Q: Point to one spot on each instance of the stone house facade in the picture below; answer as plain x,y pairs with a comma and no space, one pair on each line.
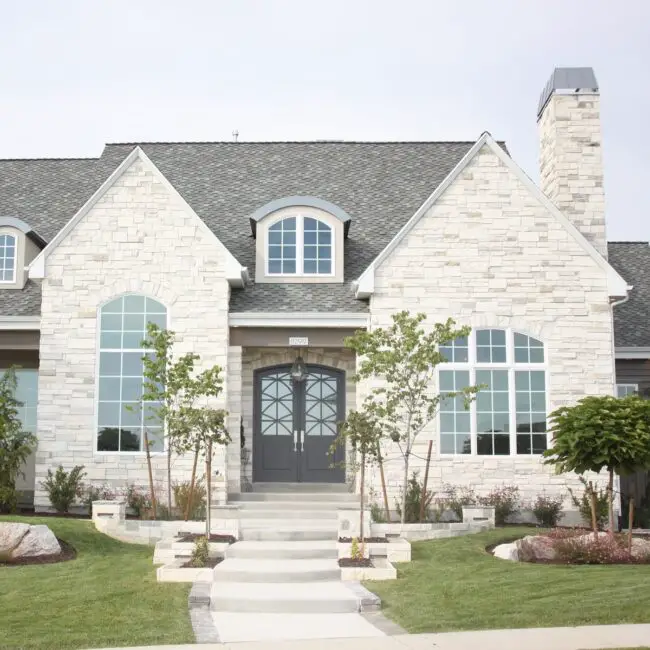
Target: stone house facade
256,254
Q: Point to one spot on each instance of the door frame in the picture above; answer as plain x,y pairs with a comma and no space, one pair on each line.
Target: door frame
341,379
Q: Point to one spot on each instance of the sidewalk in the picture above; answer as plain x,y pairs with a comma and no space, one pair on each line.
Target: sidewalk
593,637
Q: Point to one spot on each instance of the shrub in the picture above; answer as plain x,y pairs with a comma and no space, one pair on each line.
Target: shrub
182,495
583,504
548,510
455,497
91,493
200,553
505,500
64,487
355,550
377,513
414,494
137,499
584,549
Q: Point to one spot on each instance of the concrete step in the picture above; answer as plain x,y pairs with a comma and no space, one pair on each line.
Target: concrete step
286,533
277,571
286,513
284,550
304,497
302,597
325,488
260,520
290,506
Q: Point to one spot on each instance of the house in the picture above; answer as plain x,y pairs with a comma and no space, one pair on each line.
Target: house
256,254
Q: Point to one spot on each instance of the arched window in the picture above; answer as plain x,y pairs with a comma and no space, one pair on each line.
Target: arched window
7,258
300,245
122,417
508,416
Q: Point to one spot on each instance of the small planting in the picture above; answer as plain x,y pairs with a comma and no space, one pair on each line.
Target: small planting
592,504
378,515
547,510
191,501
455,497
63,488
414,505
137,499
90,493
505,501
357,558
200,553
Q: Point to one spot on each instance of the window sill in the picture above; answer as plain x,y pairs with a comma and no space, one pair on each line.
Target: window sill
130,454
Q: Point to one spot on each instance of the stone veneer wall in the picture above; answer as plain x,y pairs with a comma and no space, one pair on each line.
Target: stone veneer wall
571,162
255,358
136,239
488,254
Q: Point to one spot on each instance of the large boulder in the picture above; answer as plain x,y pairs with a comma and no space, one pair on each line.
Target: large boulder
506,552
640,548
38,541
11,534
535,548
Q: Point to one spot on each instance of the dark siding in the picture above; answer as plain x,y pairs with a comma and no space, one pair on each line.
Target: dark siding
634,371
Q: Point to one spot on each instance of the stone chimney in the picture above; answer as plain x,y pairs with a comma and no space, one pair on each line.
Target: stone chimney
571,161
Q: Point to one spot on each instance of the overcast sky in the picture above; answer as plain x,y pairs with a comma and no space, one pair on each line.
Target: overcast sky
78,73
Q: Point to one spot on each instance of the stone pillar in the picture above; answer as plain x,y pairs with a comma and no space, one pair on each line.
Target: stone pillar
234,406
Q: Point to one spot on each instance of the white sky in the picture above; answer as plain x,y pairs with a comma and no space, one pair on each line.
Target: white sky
78,73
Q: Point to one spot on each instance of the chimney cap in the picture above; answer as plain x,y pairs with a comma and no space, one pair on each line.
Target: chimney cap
572,79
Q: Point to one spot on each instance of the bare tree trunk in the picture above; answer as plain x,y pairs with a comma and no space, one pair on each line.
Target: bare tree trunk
361,495
630,524
405,485
154,510
208,480
610,501
190,496
423,496
169,478
380,460
592,501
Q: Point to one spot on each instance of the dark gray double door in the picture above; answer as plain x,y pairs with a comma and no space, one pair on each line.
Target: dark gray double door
295,424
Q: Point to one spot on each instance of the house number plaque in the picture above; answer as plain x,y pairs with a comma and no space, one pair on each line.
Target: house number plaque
298,341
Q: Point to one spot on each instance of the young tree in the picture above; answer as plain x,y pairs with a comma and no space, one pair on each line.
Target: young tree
404,358
364,433
15,443
601,433
174,395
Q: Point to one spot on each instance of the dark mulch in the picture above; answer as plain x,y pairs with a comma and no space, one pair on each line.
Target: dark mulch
367,540
210,564
29,512
192,537
361,562
67,553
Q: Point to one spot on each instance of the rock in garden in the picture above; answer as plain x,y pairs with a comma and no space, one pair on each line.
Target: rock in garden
506,552
39,540
11,534
535,548
640,548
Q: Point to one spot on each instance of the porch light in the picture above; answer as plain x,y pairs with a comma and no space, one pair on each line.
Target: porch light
298,370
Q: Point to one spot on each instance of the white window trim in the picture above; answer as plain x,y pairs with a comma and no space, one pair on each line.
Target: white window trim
13,270
472,366
634,387
300,245
98,350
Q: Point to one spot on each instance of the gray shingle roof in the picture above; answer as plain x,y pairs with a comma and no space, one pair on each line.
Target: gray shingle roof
379,184
632,318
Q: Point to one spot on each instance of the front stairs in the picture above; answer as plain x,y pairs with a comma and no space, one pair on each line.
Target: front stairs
281,580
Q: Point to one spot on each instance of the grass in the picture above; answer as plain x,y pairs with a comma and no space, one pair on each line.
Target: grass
453,584
107,596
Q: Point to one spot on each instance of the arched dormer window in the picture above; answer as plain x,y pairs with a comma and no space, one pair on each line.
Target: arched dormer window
299,245
122,416
299,239
509,414
7,258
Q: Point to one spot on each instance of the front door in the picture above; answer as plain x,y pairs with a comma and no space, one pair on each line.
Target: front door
295,425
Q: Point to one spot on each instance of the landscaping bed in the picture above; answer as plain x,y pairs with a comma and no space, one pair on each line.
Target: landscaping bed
214,537
68,552
366,540
210,563
448,578
107,597
355,562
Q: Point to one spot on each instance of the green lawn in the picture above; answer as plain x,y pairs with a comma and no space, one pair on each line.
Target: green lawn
108,596
453,584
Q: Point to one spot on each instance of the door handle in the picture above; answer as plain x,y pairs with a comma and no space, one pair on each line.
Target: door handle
295,440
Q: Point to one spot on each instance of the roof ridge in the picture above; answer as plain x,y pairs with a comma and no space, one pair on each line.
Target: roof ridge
46,158
625,241
333,141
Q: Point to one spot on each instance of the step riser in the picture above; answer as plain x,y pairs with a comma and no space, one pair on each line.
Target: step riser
292,496
336,488
271,535
282,554
280,577
326,515
257,523
225,604
293,506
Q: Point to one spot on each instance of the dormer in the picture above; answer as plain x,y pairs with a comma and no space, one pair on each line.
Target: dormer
19,245
299,239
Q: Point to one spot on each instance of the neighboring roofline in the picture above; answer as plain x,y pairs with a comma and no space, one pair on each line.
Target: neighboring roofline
309,201
236,274
298,319
19,224
641,352
365,285
20,322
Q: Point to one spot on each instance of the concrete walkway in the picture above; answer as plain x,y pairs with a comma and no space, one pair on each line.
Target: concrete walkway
593,637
